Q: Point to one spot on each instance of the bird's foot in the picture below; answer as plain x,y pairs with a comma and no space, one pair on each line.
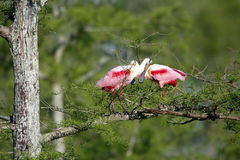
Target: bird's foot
115,112
133,110
159,106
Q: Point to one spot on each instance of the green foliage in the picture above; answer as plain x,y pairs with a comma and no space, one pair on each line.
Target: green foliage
5,135
108,133
186,35
5,156
6,12
49,153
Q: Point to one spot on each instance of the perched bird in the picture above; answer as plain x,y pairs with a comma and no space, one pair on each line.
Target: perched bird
119,77
163,75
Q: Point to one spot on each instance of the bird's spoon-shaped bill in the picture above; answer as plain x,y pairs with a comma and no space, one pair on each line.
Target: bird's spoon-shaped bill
141,79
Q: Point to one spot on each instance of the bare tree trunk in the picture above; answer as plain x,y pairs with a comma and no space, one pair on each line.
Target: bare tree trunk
58,117
58,97
23,41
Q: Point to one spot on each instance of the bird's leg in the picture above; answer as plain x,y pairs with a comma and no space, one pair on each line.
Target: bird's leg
120,99
162,92
160,106
113,110
166,93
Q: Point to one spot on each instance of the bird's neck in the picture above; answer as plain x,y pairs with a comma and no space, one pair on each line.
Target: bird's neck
142,66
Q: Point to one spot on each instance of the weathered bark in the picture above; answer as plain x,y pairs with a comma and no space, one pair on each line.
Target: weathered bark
24,49
59,133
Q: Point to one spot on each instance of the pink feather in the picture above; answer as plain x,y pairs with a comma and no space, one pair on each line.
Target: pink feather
114,79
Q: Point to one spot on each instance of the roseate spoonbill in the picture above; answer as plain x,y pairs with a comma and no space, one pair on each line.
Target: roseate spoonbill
120,76
163,75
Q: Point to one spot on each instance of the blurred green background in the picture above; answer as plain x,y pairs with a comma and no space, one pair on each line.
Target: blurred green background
79,41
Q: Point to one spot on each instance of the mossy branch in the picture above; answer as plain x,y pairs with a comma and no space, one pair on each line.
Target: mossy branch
136,115
195,116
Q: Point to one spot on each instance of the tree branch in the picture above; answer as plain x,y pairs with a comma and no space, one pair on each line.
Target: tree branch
4,32
142,114
62,132
59,133
208,116
5,118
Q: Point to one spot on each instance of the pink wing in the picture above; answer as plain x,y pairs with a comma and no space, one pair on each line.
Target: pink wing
113,79
166,75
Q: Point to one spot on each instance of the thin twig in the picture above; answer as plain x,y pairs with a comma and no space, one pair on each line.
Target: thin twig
153,34
202,79
202,71
212,82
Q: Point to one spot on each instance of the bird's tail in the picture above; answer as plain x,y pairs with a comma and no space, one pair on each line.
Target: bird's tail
99,84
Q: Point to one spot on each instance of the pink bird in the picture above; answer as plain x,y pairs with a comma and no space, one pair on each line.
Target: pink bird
119,77
163,75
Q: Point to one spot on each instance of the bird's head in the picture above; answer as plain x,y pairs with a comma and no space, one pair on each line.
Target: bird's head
146,63
134,63
134,70
134,67
144,66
